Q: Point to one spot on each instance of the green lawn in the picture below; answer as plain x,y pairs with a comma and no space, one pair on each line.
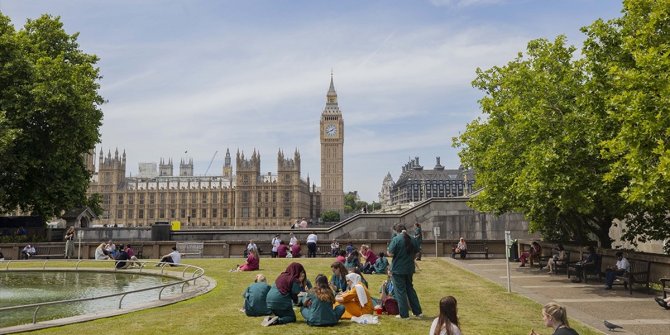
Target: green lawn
483,307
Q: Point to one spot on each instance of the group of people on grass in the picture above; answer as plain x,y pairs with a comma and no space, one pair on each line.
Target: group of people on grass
345,295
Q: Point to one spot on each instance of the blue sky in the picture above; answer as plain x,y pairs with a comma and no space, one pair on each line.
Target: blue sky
204,76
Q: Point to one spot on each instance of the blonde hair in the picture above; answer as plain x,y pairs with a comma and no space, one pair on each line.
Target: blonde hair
260,278
556,312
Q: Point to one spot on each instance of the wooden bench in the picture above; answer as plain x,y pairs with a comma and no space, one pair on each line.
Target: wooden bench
49,251
544,262
587,270
638,274
190,249
474,248
665,283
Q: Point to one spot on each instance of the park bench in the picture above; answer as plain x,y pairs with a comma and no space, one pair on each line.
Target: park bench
544,262
49,251
665,283
474,248
638,274
588,270
190,249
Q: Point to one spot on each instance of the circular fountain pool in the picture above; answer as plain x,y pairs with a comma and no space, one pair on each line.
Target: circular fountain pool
30,287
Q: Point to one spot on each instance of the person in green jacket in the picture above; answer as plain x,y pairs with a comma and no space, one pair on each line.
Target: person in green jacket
381,264
403,248
283,293
255,297
317,304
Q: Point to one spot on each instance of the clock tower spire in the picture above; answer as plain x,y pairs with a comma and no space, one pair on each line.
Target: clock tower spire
332,153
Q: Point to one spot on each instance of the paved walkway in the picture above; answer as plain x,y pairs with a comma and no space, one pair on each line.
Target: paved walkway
589,303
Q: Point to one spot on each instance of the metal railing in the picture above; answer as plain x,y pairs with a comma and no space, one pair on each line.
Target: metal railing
198,273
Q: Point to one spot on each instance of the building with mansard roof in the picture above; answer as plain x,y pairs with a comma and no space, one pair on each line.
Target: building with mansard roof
416,184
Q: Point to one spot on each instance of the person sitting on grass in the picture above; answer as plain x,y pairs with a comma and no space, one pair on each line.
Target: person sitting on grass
122,258
255,303
447,322
368,259
101,253
296,249
357,300
556,317
283,293
338,281
386,301
353,260
172,258
341,256
251,264
317,305
358,272
282,250
381,264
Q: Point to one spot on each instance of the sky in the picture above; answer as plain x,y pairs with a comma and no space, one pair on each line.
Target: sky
190,79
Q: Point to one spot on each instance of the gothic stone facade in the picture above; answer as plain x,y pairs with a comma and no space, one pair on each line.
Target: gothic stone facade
246,199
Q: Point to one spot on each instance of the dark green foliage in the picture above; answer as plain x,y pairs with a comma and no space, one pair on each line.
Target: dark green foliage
49,94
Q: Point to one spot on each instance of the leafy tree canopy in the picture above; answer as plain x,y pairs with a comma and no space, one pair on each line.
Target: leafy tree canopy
576,142
50,101
330,216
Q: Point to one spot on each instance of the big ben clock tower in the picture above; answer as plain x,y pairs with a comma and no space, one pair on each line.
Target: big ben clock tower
332,154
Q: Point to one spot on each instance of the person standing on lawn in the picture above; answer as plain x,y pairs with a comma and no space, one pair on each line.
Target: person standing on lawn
403,249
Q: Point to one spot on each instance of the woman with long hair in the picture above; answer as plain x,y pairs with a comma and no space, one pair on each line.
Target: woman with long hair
69,243
283,293
338,281
317,304
403,248
555,316
447,322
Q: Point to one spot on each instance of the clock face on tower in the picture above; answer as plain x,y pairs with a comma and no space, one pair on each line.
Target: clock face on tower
331,130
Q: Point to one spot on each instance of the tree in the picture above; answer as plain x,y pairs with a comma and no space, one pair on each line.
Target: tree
49,94
534,153
629,59
330,216
575,143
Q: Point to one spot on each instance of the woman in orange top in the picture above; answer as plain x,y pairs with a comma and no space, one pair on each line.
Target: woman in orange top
357,300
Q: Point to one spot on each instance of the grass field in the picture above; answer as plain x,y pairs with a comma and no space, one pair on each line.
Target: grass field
483,307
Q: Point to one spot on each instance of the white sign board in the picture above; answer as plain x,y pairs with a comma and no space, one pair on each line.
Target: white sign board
436,231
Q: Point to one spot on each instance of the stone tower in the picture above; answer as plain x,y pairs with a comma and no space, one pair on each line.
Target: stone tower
332,153
227,166
186,168
165,169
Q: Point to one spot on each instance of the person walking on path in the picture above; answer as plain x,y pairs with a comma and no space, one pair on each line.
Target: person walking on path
69,243
403,249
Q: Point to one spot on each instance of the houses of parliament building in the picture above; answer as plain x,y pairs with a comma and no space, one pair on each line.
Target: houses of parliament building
245,197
